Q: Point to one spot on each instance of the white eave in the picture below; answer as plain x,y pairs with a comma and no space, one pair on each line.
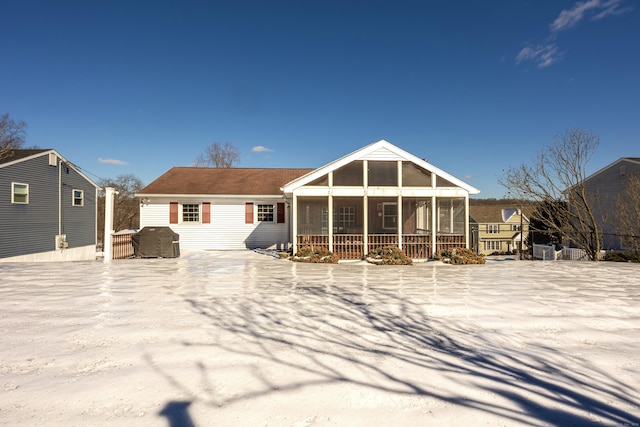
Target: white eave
377,150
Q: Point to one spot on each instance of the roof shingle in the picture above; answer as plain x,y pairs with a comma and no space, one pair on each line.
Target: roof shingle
223,181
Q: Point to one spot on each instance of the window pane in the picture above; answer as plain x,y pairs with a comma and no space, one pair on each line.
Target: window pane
350,174
20,193
78,197
265,213
191,213
383,174
313,215
347,215
413,176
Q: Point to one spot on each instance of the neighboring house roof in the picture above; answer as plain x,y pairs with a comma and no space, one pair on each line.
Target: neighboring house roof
17,156
380,149
492,214
222,181
609,166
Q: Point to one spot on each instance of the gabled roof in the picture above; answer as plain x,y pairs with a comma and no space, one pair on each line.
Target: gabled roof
17,156
222,181
381,150
493,214
609,166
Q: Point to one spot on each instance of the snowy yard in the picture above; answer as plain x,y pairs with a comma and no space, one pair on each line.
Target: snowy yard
244,339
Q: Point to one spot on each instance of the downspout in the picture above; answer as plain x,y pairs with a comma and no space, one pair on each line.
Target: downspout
59,197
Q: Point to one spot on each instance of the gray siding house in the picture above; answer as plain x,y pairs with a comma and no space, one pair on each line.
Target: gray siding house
607,188
48,208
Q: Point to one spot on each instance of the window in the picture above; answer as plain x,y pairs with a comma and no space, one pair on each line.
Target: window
493,228
19,193
78,198
515,227
190,212
265,213
492,245
343,218
389,215
383,174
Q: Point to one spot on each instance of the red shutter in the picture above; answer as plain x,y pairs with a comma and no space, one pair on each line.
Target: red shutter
280,213
206,213
248,213
173,213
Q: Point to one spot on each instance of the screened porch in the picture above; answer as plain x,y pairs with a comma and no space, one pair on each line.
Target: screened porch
353,226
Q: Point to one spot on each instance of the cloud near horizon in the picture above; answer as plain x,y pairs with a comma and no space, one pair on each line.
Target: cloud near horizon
261,149
113,162
548,53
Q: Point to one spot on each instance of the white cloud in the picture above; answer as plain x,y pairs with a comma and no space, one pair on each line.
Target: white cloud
596,9
261,149
113,162
548,53
542,55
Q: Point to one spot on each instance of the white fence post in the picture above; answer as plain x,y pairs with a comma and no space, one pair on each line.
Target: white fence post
110,193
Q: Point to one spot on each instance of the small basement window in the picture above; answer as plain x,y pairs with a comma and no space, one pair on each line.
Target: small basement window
19,193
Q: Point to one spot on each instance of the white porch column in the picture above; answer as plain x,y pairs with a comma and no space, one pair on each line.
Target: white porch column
399,202
110,193
466,221
434,224
365,209
294,223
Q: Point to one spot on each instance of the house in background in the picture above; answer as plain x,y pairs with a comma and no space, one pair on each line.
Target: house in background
379,195
499,229
607,188
47,208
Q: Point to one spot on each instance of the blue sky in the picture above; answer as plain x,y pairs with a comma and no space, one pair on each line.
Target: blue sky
474,87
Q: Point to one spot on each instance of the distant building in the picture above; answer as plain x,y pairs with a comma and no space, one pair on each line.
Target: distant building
606,188
47,208
499,229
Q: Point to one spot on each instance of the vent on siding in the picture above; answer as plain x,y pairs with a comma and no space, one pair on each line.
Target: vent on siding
53,159
623,170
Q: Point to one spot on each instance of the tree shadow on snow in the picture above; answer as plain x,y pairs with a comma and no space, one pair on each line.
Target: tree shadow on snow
378,338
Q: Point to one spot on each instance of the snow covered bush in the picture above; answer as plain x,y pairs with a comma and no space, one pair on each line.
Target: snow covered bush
459,256
388,255
316,255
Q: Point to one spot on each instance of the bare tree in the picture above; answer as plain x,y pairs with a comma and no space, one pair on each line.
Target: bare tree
12,135
628,213
555,184
126,206
218,156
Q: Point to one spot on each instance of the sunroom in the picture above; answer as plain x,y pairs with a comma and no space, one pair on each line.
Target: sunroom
379,196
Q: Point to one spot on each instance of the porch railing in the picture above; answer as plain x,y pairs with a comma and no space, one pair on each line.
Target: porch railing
348,246
351,246
449,241
417,246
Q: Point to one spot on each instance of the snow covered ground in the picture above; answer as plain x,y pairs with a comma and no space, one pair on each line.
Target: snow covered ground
244,339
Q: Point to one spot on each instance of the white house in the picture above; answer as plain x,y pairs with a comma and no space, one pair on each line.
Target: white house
379,195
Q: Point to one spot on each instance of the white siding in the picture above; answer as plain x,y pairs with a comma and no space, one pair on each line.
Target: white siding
227,229
382,154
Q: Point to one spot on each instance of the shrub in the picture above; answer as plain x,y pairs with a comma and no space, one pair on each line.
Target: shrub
622,257
388,255
315,255
459,256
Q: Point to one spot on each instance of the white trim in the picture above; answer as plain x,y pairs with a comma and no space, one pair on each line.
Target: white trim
363,153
